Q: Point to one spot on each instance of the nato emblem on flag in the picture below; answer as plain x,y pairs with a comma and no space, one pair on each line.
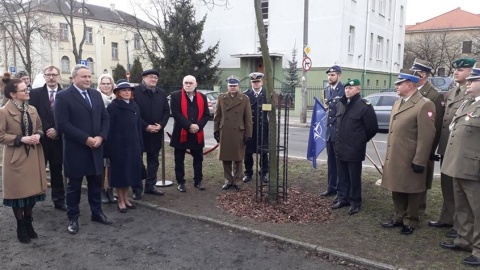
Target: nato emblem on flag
316,140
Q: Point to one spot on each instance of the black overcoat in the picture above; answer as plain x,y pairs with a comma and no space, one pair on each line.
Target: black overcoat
259,121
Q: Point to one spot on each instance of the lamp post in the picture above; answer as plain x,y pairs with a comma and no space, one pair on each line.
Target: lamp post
128,56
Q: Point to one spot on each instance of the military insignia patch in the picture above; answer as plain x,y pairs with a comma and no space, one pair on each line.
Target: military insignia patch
443,103
430,114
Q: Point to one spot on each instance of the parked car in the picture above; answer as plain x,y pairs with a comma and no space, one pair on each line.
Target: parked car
383,103
442,83
211,100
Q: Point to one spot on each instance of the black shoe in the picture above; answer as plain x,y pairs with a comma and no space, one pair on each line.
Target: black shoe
452,233
471,260
438,224
392,224
265,178
22,233
60,206
110,196
327,193
199,186
131,206
181,188
104,197
406,230
335,199
340,204
237,188
101,218
154,192
31,232
137,195
247,178
226,186
122,210
353,210
72,227
451,245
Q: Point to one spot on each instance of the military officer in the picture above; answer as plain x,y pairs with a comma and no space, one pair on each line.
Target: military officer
332,94
356,124
429,91
462,162
232,128
410,139
259,142
455,97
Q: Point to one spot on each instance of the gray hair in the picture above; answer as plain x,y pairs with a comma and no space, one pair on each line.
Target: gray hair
21,74
76,68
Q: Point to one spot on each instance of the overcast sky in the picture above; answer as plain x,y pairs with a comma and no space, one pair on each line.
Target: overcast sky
417,10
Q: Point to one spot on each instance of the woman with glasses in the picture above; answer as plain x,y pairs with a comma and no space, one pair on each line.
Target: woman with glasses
105,86
24,176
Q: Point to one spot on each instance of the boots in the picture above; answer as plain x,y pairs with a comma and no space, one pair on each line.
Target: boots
22,233
110,195
104,196
31,232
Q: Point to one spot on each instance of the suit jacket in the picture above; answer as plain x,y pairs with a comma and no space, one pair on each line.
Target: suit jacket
259,121
411,134
40,99
153,109
332,96
462,157
77,121
233,119
184,122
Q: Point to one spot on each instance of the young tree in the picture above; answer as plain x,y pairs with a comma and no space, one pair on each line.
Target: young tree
291,78
119,73
136,71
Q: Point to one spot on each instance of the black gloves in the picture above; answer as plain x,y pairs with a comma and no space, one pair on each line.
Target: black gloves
216,135
246,140
417,168
435,157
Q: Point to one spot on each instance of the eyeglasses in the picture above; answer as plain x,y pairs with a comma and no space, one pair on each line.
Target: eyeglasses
50,75
26,90
188,83
152,77
106,83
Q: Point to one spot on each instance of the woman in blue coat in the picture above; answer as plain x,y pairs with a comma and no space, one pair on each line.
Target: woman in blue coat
124,143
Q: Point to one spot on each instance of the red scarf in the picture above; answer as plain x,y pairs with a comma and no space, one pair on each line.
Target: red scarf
201,107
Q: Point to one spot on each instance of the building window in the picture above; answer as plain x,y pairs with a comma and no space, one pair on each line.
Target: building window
90,65
399,52
264,6
373,5
103,40
376,83
387,48
64,32
154,44
467,47
381,7
401,15
136,42
371,46
114,50
88,35
65,63
441,71
368,82
351,40
390,9
266,31
379,48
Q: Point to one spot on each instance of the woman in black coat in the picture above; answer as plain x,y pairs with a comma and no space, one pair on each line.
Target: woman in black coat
124,143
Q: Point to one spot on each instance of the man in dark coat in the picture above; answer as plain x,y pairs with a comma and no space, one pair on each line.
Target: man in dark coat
81,117
43,98
333,93
191,114
356,125
259,142
155,112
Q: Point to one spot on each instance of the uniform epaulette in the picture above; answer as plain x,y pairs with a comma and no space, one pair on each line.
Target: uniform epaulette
425,99
246,91
366,101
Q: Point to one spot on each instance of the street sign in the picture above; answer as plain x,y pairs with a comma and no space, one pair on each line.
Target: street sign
84,62
12,69
307,50
307,63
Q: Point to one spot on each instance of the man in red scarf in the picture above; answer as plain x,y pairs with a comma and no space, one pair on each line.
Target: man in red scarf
190,112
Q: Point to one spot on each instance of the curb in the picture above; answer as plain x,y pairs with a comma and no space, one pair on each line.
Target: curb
330,253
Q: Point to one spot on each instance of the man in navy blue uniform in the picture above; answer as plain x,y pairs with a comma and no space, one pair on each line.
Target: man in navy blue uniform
81,117
333,93
259,142
356,124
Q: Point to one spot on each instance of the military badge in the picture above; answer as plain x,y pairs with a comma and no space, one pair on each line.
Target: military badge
430,114
443,103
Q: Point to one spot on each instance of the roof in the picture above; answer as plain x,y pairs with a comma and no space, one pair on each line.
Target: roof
96,13
454,19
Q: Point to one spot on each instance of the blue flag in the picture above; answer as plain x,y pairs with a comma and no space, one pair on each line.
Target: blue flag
316,140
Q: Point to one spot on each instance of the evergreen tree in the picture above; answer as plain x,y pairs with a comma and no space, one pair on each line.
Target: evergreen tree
291,78
136,71
181,43
119,73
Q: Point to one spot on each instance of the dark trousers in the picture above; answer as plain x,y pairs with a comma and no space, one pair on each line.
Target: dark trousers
74,190
151,173
57,185
180,165
248,162
332,167
350,182
407,208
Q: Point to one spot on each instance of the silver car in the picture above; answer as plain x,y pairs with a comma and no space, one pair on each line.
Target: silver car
211,100
383,103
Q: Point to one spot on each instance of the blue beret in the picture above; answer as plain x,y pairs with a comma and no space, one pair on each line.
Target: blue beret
406,74
334,69
464,63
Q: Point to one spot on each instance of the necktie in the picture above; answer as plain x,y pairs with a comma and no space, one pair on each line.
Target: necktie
256,94
402,102
457,92
85,96
52,99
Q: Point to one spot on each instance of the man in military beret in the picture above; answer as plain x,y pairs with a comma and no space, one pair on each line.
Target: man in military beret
410,139
455,97
155,113
427,90
232,128
462,163
356,124
332,95
259,142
